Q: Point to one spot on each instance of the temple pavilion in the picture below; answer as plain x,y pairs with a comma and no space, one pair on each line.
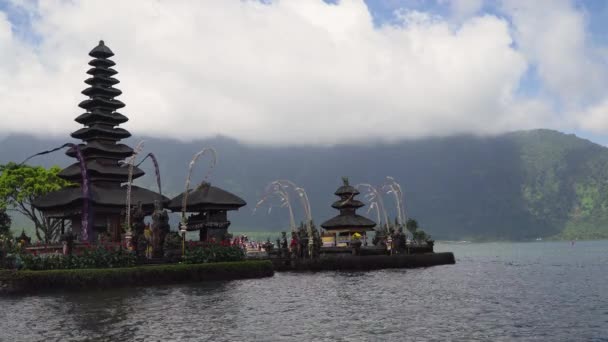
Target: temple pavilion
340,229
210,206
101,149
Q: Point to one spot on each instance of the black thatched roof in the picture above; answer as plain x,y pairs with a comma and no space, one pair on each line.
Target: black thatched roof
102,91
101,51
100,132
101,150
98,62
349,203
97,116
346,189
349,222
206,197
101,119
96,171
97,102
118,151
99,195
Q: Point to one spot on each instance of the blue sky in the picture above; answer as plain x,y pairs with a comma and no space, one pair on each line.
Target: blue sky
559,85
596,14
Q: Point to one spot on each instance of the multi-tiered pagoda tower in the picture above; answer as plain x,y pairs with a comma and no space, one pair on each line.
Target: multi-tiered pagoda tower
341,228
102,152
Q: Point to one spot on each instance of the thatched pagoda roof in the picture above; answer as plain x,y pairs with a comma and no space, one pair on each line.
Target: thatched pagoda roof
346,189
352,222
101,149
99,195
207,197
347,204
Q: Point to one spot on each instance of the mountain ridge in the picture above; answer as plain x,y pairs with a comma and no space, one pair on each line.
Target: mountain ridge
515,186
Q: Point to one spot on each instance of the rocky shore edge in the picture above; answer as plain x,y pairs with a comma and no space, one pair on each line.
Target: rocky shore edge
28,282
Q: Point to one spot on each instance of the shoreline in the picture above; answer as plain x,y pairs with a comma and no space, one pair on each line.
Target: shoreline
364,263
32,282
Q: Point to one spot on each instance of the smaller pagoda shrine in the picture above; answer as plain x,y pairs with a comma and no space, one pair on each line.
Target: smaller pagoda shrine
340,229
210,206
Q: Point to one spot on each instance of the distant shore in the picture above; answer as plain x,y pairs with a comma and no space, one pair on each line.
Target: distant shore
263,235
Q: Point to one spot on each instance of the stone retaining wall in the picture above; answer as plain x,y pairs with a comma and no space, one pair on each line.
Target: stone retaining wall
12,282
365,263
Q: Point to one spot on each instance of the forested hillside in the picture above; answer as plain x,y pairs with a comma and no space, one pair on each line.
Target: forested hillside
520,185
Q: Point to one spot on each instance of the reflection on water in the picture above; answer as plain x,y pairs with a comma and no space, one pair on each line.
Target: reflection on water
495,292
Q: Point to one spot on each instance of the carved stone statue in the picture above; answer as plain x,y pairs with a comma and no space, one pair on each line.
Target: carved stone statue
143,243
160,228
398,241
393,236
283,245
294,245
67,240
137,219
380,238
138,225
302,238
317,242
268,246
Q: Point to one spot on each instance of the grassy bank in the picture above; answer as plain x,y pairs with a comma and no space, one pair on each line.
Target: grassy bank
35,281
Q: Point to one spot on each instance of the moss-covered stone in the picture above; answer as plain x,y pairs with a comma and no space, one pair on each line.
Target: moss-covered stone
366,263
35,281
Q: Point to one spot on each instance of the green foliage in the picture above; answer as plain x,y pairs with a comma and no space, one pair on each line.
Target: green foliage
411,225
212,252
567,185
5,222
584,230
8,247
20,184
172,247
420,236
172,241
95,257
32,281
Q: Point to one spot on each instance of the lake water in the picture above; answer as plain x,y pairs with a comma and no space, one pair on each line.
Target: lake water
544,291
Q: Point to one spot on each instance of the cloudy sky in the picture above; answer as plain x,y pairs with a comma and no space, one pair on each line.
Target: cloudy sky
312,72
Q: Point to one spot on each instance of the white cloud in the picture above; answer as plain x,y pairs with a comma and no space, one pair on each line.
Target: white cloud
553,36
296,72
595,117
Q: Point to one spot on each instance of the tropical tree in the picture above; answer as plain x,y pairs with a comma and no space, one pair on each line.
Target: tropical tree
418,234
20,184
5,222
411,225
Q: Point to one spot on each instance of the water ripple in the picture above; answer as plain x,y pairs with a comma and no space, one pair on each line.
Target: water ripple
496,292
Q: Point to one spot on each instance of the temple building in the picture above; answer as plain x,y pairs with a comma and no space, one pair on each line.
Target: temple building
340,229
210,206
101,152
